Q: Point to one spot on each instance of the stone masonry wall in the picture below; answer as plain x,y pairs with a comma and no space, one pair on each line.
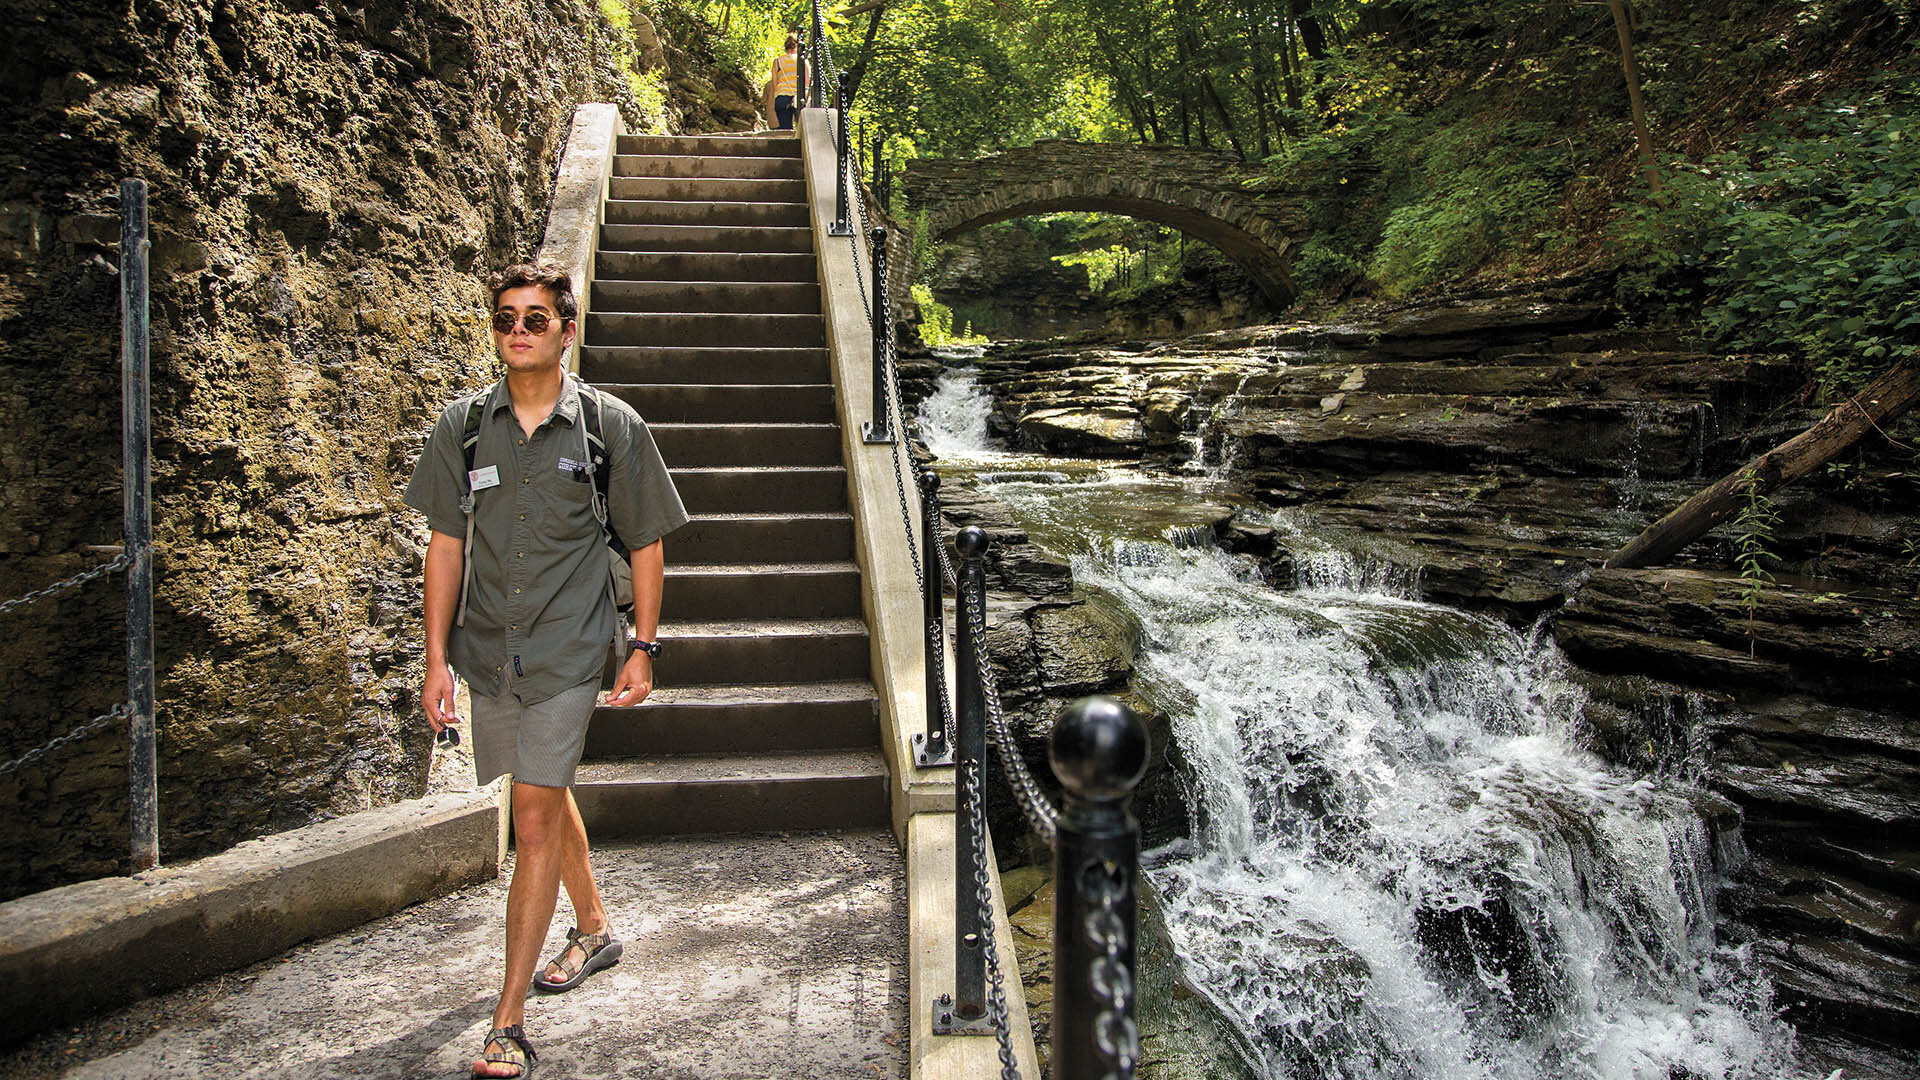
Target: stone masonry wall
329,182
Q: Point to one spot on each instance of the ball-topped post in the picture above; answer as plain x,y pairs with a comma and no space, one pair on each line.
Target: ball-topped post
931,747
1099,751
968,1008
879,430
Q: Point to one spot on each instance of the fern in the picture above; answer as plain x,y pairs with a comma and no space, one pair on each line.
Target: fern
1753,549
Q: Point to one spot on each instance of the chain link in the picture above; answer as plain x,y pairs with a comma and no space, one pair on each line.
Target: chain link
1040,813
119,712
1115,1036
996,982
118,562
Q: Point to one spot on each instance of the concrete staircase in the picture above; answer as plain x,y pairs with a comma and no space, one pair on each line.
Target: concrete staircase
705,316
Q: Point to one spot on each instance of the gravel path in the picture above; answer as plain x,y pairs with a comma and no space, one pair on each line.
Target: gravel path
761,956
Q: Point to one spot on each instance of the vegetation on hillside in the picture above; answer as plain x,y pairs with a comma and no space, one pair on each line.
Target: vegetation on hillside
1466,141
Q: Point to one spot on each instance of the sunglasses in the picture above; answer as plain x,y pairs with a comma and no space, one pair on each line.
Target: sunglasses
536,322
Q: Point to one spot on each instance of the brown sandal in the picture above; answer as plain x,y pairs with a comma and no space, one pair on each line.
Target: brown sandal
599,949
514,1050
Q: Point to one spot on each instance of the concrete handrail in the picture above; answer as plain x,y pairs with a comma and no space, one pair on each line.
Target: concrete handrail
580,190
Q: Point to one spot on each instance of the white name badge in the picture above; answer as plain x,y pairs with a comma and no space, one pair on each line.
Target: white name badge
482,479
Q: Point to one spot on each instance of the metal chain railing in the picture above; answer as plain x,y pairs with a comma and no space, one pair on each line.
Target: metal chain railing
118,562
996,982
1041,814
1108,922
1116,1038
119,712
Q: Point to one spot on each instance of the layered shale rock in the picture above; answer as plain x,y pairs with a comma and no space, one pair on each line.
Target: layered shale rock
329,184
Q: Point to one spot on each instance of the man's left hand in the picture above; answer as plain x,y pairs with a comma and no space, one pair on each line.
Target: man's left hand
635,681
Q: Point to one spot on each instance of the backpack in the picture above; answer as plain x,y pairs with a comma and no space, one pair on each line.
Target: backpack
594,447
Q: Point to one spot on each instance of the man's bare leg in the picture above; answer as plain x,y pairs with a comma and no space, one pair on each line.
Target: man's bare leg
576,872
539,830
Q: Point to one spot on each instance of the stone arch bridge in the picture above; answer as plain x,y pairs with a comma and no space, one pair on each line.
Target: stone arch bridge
1203,193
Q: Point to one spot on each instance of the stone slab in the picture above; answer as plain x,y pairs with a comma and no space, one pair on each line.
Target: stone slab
72,951
772,955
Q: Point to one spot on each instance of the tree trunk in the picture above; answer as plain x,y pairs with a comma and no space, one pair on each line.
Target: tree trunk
1634,100
1890,395
1311,35
859,69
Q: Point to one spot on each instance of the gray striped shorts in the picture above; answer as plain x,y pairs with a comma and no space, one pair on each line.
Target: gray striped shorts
540,743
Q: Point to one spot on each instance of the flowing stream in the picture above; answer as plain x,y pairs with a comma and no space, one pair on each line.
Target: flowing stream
1404,862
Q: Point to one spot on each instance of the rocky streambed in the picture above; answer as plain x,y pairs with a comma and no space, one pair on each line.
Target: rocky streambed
1495,451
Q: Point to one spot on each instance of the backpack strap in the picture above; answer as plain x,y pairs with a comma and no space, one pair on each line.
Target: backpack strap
596,445
469,441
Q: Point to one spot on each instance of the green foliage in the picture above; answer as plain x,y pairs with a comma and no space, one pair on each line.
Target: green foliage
936,321
1805,237
1324,268
1753,548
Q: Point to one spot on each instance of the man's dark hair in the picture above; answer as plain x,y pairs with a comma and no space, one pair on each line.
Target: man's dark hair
546,275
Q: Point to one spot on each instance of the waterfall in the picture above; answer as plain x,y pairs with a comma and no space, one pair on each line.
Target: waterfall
1404,864
953,419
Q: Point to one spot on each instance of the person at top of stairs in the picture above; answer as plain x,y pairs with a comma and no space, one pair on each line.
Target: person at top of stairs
519,602
783,86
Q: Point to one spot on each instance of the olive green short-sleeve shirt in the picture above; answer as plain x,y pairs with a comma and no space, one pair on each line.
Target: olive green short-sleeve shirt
538,605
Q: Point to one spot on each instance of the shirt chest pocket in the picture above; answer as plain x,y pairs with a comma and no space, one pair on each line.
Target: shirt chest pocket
564,497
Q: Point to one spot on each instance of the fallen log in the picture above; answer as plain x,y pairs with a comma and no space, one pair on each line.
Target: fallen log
1890,395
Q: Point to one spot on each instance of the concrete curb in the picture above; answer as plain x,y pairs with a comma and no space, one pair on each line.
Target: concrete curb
91,946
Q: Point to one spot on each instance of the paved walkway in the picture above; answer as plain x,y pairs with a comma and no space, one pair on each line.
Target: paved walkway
746,957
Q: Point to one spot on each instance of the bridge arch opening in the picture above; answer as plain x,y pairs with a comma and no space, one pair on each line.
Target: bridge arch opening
1202,194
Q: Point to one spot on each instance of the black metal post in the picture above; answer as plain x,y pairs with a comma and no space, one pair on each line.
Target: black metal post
814,33
964,1012
880,177
841,226
931,747
879,430
1099,752
136,491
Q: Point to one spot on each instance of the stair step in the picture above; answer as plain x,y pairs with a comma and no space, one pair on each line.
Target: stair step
786,590
710,145
748,444
704,266
705,331
840,789
741,239
737,538
698,364
705,166
707,297
771,650
707,189
724,719
705,212
763,490
731,403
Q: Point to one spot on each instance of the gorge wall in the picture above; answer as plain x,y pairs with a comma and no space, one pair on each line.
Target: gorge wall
329,183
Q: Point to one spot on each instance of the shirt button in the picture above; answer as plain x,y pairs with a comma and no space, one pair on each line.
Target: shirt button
513,626
527,480
523,517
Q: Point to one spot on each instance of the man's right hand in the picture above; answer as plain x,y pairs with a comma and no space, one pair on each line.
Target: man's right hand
436,696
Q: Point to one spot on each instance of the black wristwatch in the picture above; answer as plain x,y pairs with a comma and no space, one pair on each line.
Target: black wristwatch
651,648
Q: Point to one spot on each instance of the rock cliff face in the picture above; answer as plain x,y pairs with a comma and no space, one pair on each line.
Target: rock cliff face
329,183
1502,448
